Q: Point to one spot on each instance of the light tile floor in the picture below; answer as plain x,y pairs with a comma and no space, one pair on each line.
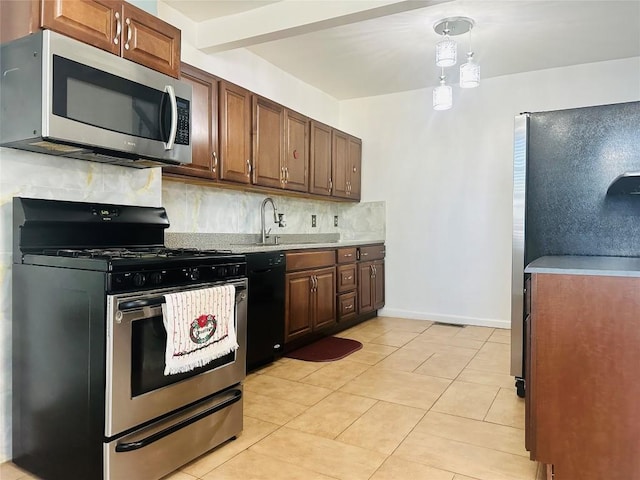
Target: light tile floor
419,401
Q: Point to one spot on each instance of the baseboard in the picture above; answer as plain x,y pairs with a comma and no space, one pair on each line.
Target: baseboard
434,317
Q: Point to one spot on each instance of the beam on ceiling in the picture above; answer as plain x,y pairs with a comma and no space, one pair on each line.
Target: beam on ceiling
289,18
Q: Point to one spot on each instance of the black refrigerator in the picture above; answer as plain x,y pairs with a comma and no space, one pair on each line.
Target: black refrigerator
576,191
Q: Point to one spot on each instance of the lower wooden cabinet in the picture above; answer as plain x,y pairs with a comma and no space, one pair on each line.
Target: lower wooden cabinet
582,389
370,286
310,302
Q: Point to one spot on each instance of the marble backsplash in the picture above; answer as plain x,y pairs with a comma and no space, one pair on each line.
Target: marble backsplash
197,209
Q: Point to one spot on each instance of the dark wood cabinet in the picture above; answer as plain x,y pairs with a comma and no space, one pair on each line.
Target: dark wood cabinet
235,133
310,296
112,25
310,302
371,276
347,283
296,152
204,125
346,157
320,182
280,146
149,41
268,143
582,390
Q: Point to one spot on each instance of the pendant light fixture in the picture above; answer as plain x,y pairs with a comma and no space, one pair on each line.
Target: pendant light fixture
470,71
446,56
446,50
442,95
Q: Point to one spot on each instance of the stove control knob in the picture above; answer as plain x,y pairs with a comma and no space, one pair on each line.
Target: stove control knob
139,279
222,272
156,278
194,273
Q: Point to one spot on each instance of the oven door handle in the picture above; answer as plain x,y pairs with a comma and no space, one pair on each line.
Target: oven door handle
156,301
131,446
136,304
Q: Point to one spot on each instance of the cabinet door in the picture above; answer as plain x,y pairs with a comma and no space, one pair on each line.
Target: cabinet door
339,161
149,41
353,167
325,298
365,298
320,159
268,135
90,21
235,133
298,310
296,159
378,285
204,124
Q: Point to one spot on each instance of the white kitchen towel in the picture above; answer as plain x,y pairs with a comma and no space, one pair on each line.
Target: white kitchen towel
200,327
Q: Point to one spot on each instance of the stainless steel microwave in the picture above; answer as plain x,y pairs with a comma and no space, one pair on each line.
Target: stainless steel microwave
63,97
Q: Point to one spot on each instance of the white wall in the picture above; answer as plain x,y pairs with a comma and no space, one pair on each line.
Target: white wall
446,178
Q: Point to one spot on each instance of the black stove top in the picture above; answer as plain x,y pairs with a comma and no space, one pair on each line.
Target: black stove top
124,241
142,253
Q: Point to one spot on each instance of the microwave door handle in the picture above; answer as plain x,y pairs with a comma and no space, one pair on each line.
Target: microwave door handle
174,117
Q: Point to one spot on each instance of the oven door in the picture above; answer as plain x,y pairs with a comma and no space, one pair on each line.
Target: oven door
137,391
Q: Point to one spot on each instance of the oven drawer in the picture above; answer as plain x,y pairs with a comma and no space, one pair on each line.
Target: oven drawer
160,448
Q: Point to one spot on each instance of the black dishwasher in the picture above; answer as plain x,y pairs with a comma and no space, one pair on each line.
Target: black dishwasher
265,314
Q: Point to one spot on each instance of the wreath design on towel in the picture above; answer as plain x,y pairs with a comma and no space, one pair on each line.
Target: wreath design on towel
203,328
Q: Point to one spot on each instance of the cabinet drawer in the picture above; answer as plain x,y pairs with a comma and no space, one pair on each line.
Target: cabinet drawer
347,277
373,252
347,305
315,259
347,255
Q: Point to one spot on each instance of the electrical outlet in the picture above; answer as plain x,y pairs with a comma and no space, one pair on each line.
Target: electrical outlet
335,220
313,220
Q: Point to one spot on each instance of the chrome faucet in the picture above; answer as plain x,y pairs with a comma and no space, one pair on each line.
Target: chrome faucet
263,233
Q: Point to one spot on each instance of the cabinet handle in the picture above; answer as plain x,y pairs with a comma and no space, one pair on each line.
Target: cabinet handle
350,278
330,185
249,167
116,40
348,307
128,22
215,160
364,254
348,254
282,177
286,174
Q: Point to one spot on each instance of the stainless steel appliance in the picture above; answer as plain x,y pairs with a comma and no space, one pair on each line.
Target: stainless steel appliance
67,98
574,182
90,397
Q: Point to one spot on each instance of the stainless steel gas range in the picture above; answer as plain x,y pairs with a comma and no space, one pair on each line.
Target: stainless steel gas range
90,397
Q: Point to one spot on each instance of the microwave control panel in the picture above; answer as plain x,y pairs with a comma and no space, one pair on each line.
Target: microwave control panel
182,134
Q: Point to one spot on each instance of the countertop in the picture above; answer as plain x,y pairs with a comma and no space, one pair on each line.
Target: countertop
586,265
248,243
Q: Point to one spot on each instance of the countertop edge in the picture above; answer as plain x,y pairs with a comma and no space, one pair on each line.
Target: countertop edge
586,265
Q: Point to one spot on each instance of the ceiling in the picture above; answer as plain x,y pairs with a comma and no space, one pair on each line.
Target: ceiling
360,48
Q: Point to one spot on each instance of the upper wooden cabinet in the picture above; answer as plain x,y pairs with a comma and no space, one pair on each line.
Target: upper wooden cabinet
320,159
346,153
280,146
296,152
268,143
204,125
235,133
111,25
